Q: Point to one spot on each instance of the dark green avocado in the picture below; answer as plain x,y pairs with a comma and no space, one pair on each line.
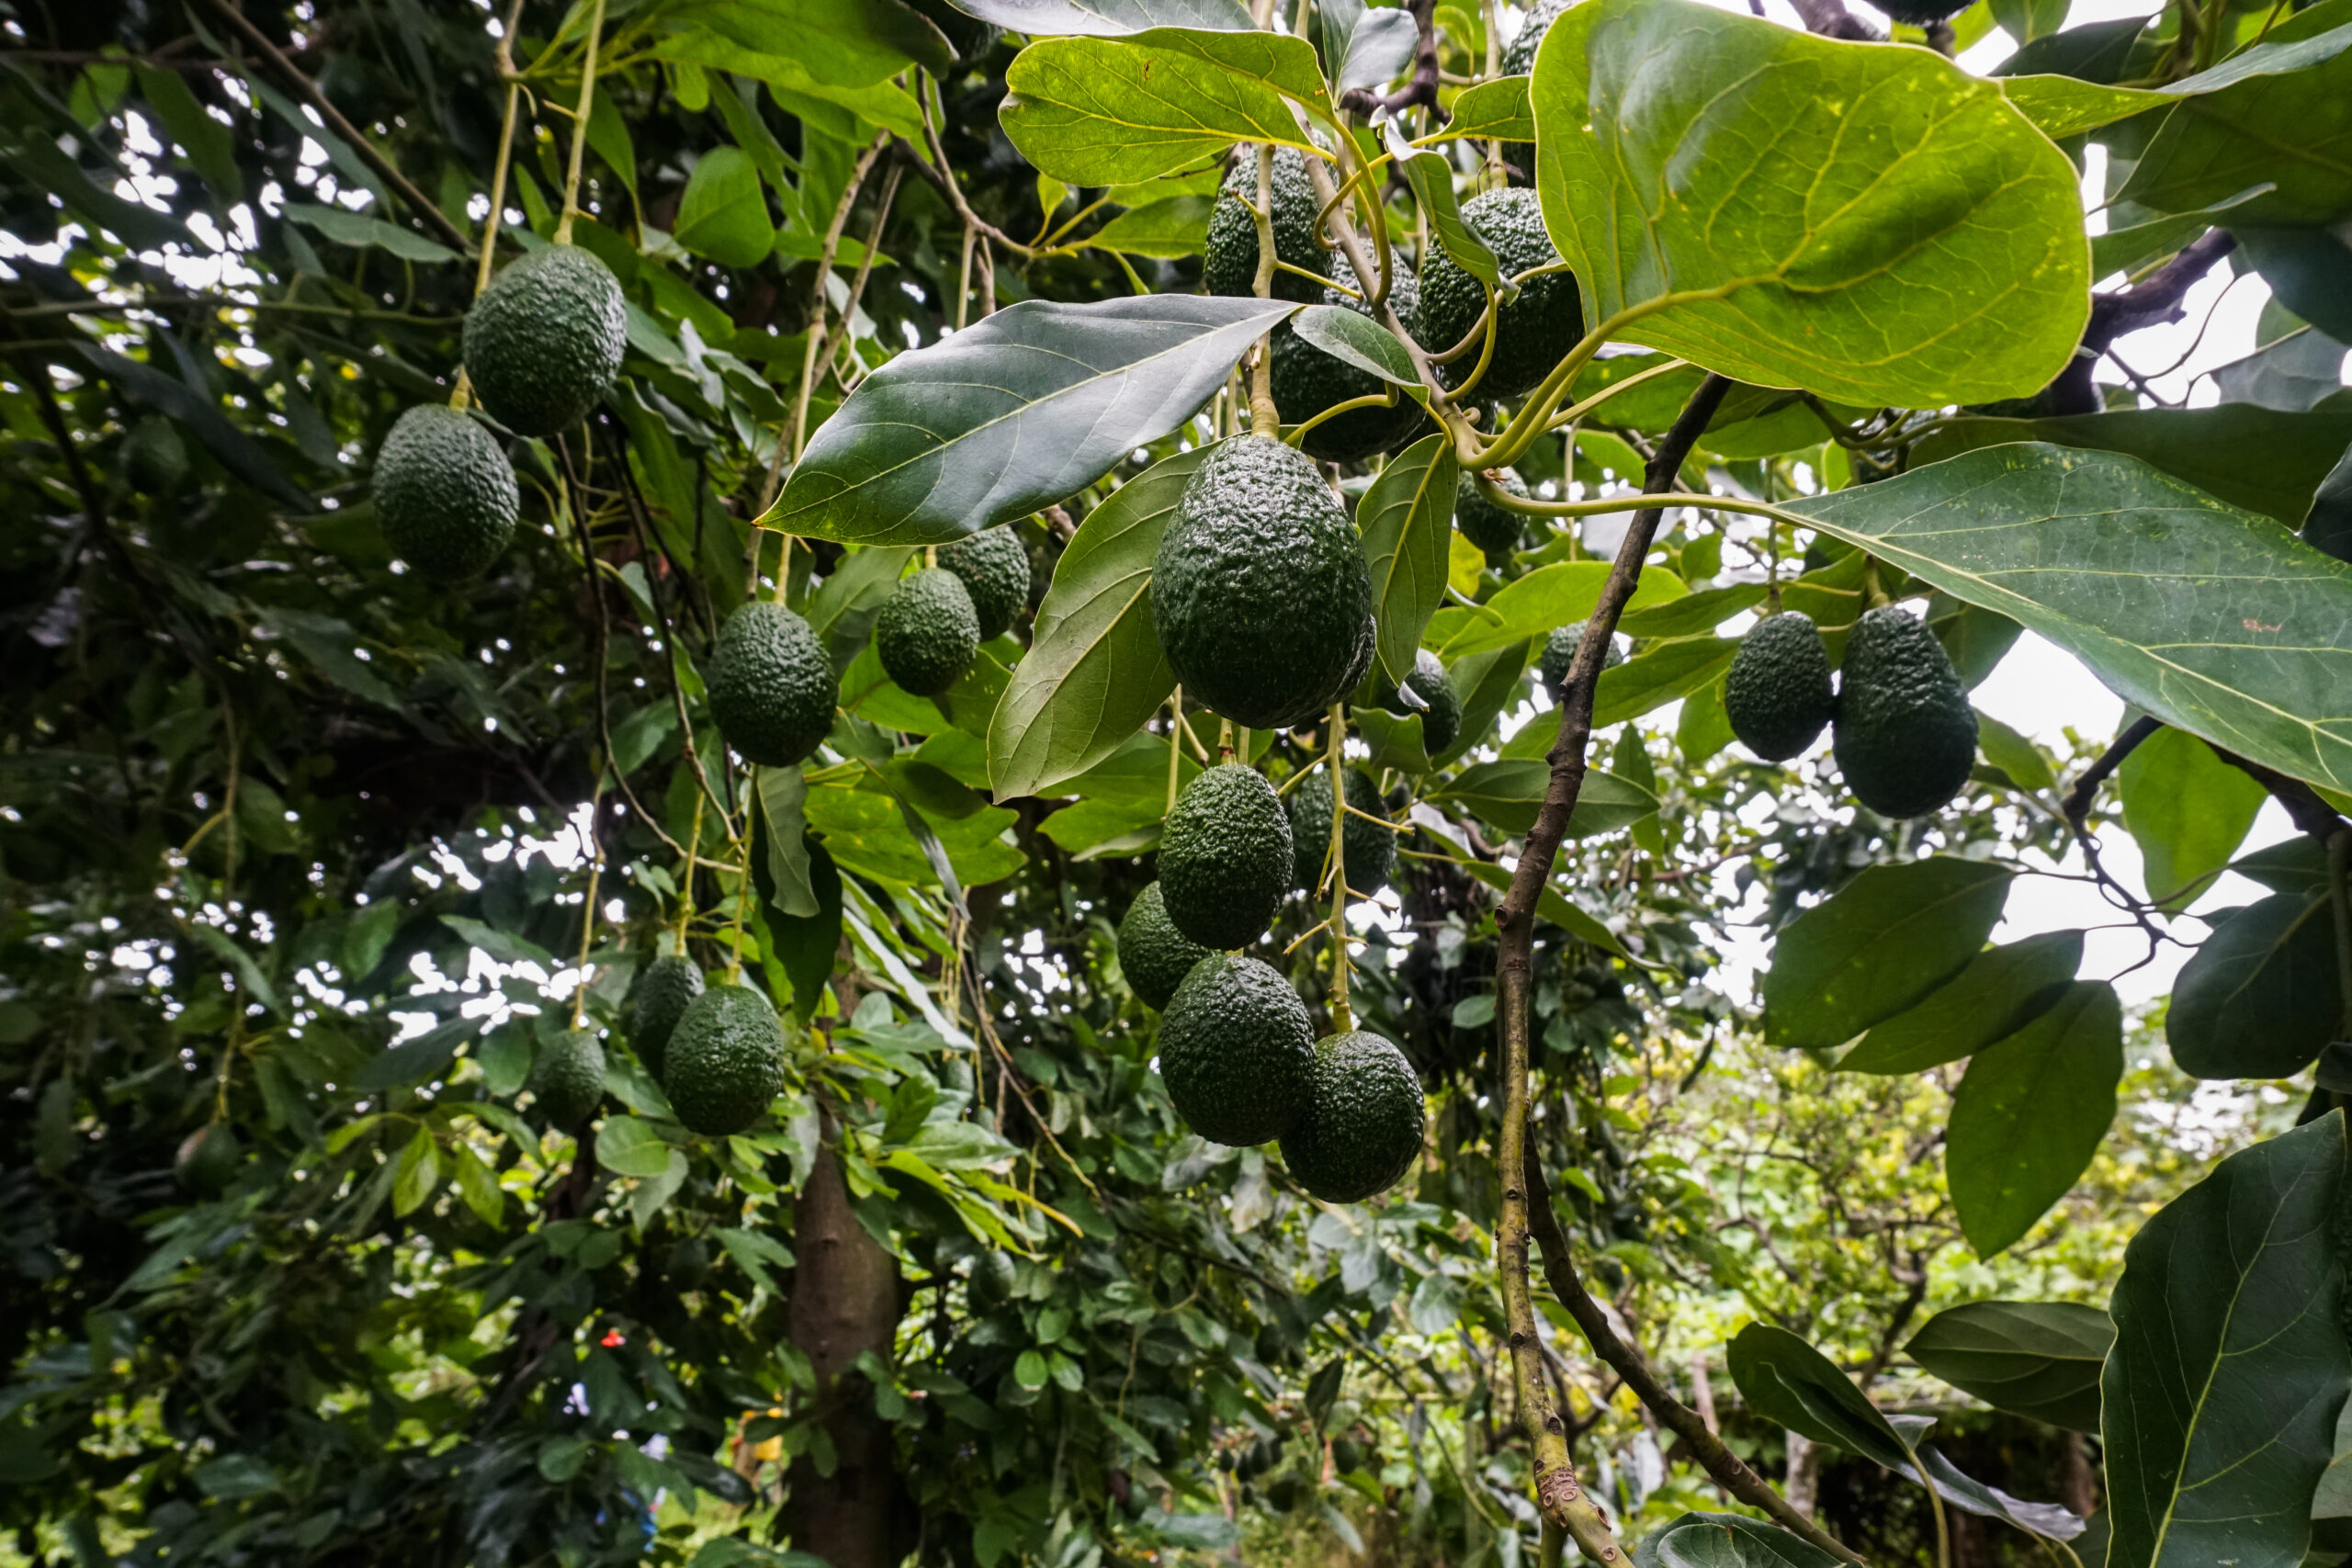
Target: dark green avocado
1224,858
1778,693
1518,55
1261,593
1362,1125
927,632
1495,529
668,986
724,1061
1371,849
1306,381
543,343
209,1159
568,1078
1535,331
1905,734
1229,253
1236,1046
446,496
1153,954
1439,705
1560,651
771,687
993,566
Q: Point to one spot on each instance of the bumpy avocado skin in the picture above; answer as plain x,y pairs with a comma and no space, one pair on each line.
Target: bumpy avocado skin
1560,651
1153,954
1371,849
1363,1120
1778,693
771,687
1259,591
664,991
543,342
993,566
1235,1049
724,1061
927,632
1229,253
1306,381
1905,734
1224,858
1494,529
446,496
1440,708
1534,330
968,36
1518,55
569,1077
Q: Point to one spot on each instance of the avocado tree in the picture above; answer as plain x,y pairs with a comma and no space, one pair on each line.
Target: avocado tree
838,780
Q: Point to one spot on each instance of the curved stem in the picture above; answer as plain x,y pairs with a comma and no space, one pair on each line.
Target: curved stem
1511,444
580,125
1387,400
1335,756
1175,742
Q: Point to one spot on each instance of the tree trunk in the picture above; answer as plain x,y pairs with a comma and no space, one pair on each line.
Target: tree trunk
1803,1487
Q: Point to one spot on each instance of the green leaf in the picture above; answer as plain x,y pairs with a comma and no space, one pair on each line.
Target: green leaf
2261,995
1356,339
1789,1383
1406,521
2309,272
504,946
2188,810
1101,111
2026,20
2129,248
2297,865
1883,942
627,1147
1487,682
724,213
1548,597
1049,18
1974,639
1658,675
1030,1370
2068,105
1553,905
1726,1540
2092,550
2030,1113
418,1173
843,43
782,792
789,79
1016,413
1431,178
1378,48
808,945
2014,755
211,146
1507,793
477,1184
2037,1359
2280,111
359,230
2292,375
1693,615
2000,992
1873,224
1094,670
2220,1399
1497,109
1396,742
1165,229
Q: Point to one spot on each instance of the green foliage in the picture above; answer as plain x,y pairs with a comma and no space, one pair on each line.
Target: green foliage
2039,1359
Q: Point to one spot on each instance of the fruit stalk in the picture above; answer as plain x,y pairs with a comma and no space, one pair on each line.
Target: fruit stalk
580,125
588,906
1342,1018
1263,420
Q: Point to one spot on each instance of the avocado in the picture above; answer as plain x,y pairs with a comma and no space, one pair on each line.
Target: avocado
1361,1125
1493,528
1153,954
663,992
1234,1048
1519,60
207,1159
1306,381
991,1280
772,688
446,496
725,1060
1905,734
1440,705
1224,858
569,1077
155,459
1778,693
1261,593
968,36
543,343
927,632
1560,651
1371,849
993,566
1229,253
1535,331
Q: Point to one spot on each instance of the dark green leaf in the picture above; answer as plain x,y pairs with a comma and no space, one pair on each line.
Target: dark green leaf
782,792
1487,682
1049,18
2298,866
724,213
806,945
2041,1518
1396,742
2292,375
2261,997
237,452
2038,1360
418,1173
1726,1540
1999,993
1885,941
2309,272
2280,111
1431,178
2187,810
627,1147
2018,758
1789,1383
1974,639
211,145
2134,245
358,230
843,43
2030,1113
1406,521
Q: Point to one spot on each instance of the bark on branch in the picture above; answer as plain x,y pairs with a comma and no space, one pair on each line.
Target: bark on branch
1420,87
2155,298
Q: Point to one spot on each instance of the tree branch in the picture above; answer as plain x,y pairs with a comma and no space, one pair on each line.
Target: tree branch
2155,298
1831,20
2077,803
2305,808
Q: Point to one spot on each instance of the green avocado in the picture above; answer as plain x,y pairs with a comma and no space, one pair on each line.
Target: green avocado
1153,954
1493,528
725,1060
1560,651
1905,734
1535,331
663,992
155,459
1371,849
1234,1048
1306,381
1229,253
1259,593
1778,693
543,343
1224,858
993,566
207,1159
446,496
1361,1126
1518,55
927,632
968,36
569,1077
771,687
1440,705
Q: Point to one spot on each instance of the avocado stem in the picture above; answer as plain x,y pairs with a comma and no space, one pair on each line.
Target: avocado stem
743,884
1263,420
588,906
1175,742
580,125
1343,1019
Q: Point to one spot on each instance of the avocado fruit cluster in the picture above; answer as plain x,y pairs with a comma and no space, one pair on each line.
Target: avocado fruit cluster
1260,594
1560,651
1778,693
1230,251
1496,529
1905,734
725,1060
1224,857
569,1077
1429,691
446,496
1306,380
664,991
927,632
1369,848
772,687
1153,954
1236,1046
993,566
543,343
1532,333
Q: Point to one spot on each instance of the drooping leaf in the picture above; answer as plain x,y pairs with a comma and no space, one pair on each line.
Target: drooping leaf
806,945
2000,992
1789,1383
1016,413
1431,178
1961,1490
1379,48
1499,109
2038,1360
1487,682
1878,946
2030,1113
1355,339
1407,522
2187,810
1726,1540
782,792
2260,997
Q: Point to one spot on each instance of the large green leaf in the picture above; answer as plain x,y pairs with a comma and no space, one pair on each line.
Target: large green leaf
1431,179
1028,407
2309,272
1051,19
1881,943
1488,682
2260,997
1789,1383
2281,112
1406,521
2213,619
1168,229
2038,1360
2030,1113
2220,1399
2187,810
724,213
843,43
1873,224
2002,991
1094,670
1726,1540
1547,597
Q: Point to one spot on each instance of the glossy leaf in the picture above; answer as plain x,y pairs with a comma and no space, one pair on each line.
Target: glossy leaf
1379,47
1488,682
1875,225
2280,111
1396,742
1961,1490
1167,230
1658,676
724,213
1497,109
2030,1113
844,43
1879,945
1051,19
1431,178
2220,1399
1726,1540
2000,992
1507,793
1547,597
2038,1360
782,792
1016,413
1407,522
1789,1383
2260,997
2309,272
2187,810
1350,336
